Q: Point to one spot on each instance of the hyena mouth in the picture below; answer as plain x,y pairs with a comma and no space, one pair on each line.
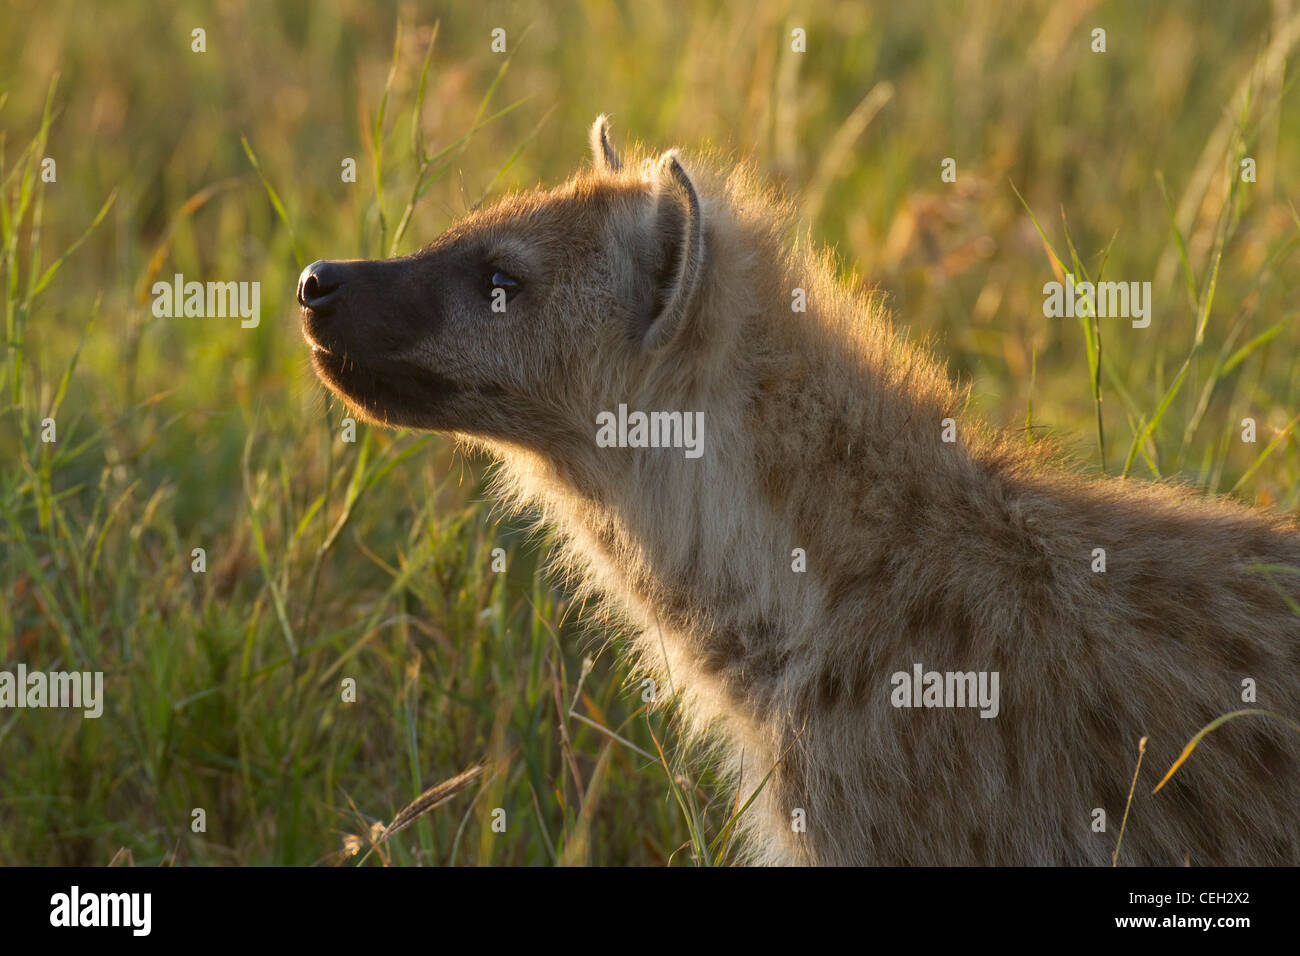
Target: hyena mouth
385,390
358,349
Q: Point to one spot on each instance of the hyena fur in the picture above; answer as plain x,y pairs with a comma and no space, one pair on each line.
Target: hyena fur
646,285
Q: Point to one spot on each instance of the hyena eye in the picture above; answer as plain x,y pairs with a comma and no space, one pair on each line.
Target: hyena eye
502,281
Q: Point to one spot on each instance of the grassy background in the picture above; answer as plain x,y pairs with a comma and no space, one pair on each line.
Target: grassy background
371,560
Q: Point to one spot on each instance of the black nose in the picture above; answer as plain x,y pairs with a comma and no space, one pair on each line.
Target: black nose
318,284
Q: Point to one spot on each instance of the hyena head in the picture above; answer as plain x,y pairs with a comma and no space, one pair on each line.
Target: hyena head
525,319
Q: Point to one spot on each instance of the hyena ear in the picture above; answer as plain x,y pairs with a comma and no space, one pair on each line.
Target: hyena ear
602,153
678,236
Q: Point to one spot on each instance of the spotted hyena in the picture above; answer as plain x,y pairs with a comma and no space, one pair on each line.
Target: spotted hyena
831,569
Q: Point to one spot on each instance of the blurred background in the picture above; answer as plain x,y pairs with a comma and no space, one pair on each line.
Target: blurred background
372,560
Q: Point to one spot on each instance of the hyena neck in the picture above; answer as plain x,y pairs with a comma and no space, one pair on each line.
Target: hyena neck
722,562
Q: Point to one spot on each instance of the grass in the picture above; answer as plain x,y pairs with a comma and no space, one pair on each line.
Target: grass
372,561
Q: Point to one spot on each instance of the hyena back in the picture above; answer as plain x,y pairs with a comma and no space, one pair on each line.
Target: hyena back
829,538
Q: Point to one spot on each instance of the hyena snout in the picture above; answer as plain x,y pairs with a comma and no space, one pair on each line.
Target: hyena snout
364,306
318,284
